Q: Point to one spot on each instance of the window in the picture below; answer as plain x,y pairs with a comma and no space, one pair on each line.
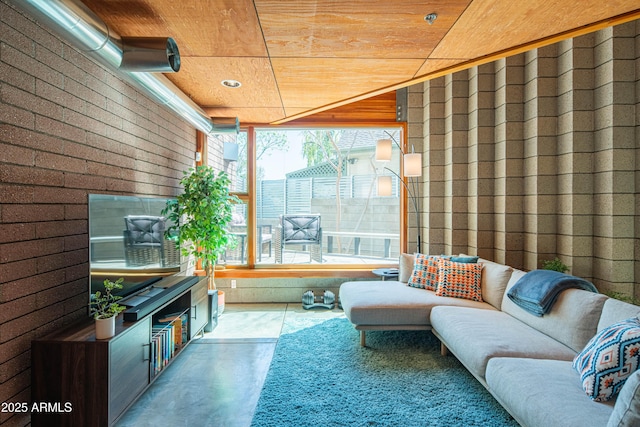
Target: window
315,199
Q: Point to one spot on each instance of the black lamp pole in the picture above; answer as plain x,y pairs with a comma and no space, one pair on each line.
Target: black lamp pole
412,195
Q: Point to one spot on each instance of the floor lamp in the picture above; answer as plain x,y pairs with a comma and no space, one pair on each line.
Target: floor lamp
412,167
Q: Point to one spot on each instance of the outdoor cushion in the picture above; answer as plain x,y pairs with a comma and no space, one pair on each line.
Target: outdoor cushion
475,336
543,393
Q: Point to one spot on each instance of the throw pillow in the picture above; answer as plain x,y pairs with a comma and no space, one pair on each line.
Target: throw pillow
405,267
626,412
425,272
459,280
608,359
464,258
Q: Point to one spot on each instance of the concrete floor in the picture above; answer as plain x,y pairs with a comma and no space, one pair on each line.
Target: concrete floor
217,381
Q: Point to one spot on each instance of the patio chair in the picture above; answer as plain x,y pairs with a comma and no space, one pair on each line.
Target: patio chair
144,241
301,229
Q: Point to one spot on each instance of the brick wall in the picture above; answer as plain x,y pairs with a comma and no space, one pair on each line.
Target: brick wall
538,155
68,127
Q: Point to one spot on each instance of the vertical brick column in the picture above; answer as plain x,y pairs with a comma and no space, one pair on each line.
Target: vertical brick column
456,162
481,160
434,178
415,140
509,188
615,153
540,169
575,154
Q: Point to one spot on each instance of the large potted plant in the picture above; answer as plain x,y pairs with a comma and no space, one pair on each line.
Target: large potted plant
104,309
201,215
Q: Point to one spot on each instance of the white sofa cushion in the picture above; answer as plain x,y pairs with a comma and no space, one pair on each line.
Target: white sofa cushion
393,303
494,281
615,311
543,393
405,267
475,336
573,319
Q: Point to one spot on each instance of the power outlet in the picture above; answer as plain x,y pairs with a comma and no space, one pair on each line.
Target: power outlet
233,284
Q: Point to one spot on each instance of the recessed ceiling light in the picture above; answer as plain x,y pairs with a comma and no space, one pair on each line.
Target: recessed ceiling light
231,83
431,17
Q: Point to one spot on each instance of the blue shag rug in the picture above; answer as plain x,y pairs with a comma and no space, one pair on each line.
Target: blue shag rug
320,375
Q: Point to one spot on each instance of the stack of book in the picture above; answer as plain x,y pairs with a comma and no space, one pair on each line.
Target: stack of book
169,333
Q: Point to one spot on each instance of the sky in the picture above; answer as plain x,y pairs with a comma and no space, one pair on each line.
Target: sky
277,163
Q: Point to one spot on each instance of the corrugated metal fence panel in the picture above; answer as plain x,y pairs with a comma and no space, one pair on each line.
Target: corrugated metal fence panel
364,186
325,188
273,201
270,198
298,195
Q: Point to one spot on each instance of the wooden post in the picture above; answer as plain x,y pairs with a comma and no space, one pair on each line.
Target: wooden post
444,351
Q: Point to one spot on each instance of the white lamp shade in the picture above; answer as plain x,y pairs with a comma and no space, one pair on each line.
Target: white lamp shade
383,150
413,164
384,186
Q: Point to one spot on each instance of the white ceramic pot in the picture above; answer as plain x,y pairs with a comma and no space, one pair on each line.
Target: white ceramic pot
105,328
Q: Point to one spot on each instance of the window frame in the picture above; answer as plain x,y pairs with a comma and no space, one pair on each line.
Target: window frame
253,269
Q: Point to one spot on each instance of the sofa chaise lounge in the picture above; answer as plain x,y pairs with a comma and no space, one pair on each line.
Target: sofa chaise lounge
523,360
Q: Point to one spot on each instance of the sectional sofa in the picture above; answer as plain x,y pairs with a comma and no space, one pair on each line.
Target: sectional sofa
523,360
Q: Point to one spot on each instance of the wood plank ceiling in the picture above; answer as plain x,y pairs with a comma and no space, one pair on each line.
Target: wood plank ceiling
297,58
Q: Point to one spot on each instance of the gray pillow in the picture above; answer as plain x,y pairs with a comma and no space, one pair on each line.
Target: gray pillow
467,259
626,412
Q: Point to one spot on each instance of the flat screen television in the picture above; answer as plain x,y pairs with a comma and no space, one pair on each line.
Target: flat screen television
127,240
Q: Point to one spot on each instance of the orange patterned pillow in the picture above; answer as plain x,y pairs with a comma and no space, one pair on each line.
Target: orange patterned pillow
425,272
459,280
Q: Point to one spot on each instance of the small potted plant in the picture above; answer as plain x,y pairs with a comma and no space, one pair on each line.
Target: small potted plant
555,265
104,309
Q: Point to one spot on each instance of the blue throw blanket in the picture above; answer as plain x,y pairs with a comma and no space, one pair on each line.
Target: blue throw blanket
537,290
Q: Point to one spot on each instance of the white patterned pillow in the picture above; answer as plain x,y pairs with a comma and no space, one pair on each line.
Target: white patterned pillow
608,359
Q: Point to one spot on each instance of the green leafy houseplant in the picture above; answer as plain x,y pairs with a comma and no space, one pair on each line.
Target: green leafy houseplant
555,265
103,304
201,215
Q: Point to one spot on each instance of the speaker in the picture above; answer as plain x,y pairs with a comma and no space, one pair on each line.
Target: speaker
212,322
230,151
150,54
